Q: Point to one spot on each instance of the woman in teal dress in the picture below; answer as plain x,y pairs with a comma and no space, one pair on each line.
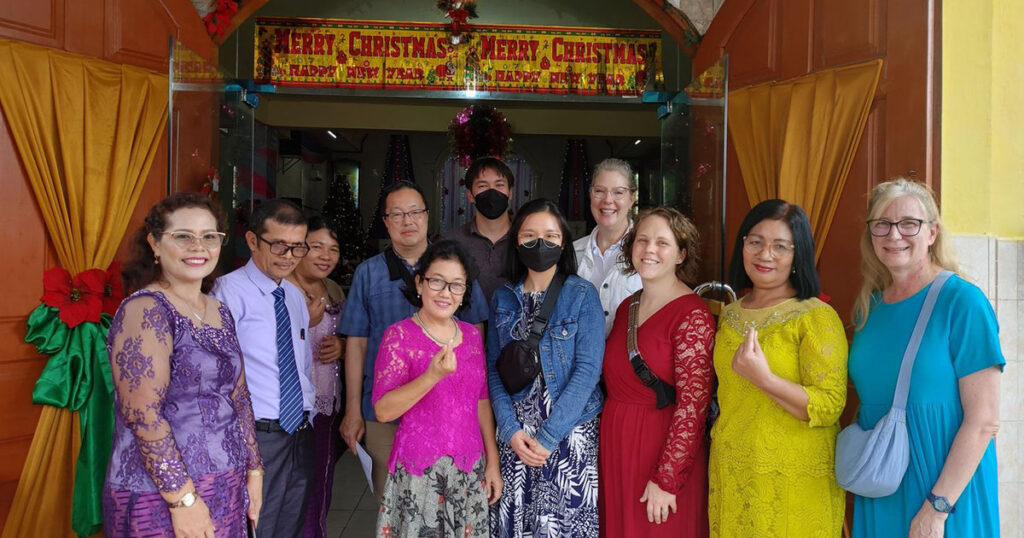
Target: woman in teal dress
950,487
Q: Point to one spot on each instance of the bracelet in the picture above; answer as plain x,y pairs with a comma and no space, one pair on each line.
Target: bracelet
255,472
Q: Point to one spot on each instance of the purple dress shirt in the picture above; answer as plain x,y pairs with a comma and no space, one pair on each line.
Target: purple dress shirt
247,293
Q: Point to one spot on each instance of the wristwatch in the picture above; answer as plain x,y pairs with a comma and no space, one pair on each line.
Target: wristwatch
185,501
940,503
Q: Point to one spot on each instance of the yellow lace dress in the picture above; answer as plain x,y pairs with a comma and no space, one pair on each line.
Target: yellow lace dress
771,474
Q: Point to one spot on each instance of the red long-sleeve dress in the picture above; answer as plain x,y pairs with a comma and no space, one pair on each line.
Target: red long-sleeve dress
640,442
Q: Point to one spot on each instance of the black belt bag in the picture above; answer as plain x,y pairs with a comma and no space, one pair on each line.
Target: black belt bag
519,363
663,391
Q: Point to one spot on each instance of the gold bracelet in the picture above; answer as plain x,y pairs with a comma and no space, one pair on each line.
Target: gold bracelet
255,472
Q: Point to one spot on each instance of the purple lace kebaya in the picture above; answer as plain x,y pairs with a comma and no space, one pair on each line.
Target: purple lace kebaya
182,411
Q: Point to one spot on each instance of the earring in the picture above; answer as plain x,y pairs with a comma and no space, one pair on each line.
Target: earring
156,259
417,296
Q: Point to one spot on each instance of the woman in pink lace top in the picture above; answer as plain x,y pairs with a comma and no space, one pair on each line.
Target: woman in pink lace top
430,373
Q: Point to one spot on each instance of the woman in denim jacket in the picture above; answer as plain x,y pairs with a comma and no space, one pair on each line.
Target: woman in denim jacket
547,432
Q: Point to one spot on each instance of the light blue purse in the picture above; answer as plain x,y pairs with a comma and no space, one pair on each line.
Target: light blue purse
871,463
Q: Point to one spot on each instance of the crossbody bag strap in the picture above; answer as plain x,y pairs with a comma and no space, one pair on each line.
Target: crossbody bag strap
663,391
395,264
899,398
540,320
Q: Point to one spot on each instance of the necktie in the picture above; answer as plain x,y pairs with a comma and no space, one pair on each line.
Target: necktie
290,406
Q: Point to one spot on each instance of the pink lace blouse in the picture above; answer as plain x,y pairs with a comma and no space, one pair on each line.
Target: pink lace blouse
445,421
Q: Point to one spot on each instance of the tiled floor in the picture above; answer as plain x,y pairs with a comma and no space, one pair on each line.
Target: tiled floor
353,511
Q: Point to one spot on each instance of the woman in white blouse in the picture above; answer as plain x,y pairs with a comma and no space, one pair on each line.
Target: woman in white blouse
612,195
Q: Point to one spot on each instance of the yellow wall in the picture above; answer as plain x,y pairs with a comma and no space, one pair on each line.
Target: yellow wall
983,118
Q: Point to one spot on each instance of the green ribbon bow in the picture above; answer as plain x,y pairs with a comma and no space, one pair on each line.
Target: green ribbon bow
77,377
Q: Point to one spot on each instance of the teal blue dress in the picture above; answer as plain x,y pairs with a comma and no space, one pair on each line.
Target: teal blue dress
961,338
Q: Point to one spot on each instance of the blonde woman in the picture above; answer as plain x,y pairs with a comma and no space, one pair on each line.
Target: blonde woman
950,487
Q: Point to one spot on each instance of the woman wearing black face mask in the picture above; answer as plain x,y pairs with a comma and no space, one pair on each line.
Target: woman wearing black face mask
547,422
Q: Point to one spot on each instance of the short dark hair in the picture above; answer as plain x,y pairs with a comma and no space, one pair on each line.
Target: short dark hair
316,222
278,210
514,269
684,232
445,249
395,187
804,277
141,269
488,163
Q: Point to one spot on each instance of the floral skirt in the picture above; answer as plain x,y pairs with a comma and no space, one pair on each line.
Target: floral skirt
558,499
443,502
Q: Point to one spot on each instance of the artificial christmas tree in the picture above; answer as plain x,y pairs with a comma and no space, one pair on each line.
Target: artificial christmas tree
343,218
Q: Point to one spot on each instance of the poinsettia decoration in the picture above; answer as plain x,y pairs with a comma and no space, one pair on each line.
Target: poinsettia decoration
459,11
218,20
85,296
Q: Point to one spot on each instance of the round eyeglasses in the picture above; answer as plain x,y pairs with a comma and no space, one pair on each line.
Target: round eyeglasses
777,249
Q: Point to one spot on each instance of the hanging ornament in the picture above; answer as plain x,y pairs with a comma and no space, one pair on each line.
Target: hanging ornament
479,131
459,11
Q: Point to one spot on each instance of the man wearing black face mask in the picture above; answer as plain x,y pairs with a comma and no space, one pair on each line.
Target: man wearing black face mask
489,184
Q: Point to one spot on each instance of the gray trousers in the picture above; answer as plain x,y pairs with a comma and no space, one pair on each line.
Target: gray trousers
288,462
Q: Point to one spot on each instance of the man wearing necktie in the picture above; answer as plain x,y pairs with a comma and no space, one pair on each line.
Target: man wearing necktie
270,319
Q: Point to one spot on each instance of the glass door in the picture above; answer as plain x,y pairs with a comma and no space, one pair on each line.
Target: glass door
212,142
693,142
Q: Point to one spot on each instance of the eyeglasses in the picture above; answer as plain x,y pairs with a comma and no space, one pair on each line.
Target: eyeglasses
529,241
438,284
777,249
906,227
399,216
207,240
619,194
280,248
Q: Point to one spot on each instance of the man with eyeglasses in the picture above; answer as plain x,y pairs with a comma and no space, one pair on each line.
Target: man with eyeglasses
271,319
489,184
374,303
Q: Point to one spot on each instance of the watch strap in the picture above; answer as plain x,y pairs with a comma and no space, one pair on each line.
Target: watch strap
186,500
940,503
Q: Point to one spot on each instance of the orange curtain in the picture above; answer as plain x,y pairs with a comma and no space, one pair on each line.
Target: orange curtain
796,140
87,132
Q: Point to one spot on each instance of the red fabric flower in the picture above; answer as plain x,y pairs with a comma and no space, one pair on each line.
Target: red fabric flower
113,288
77,299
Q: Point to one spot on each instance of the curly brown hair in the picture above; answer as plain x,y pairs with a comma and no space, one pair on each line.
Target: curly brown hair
682,229
141,269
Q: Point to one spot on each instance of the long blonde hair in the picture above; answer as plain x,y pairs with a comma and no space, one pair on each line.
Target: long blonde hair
875,277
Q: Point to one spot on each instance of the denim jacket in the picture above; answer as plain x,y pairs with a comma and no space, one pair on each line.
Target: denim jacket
571,351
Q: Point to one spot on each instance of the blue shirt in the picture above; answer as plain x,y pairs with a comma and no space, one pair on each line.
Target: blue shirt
248,294
376,302
571,354
961,338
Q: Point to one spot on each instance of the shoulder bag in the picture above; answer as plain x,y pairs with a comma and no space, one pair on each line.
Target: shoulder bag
663,391
519,364
871,463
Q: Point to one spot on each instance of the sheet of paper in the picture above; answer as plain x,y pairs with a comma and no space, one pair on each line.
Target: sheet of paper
367,463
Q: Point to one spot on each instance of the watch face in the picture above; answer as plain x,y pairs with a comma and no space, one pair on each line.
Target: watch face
188,499
941,504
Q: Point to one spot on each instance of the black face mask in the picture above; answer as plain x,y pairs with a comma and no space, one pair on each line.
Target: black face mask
491,203
539,254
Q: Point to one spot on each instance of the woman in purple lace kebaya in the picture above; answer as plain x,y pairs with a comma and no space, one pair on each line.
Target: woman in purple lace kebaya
430,373
324,299
184,460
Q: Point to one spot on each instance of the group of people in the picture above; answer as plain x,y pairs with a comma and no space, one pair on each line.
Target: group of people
471,370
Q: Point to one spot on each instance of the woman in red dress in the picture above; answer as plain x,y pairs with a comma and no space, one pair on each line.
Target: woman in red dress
653,462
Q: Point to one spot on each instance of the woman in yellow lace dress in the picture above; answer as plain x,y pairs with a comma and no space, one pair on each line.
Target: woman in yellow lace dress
780,356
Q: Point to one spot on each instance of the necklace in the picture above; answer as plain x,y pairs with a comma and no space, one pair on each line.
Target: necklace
309,295
419,321
190,307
